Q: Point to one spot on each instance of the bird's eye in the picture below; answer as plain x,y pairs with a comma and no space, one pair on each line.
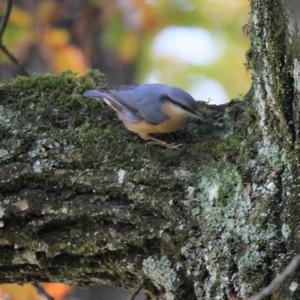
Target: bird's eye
165,98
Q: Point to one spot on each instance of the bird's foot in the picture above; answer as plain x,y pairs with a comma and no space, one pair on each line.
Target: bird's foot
172,146
159,142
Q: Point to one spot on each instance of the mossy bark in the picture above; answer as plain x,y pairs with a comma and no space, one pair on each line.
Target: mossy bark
84,201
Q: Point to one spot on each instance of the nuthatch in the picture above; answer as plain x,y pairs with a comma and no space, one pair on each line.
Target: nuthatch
150,108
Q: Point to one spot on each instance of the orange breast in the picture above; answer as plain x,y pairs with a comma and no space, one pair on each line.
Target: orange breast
177,117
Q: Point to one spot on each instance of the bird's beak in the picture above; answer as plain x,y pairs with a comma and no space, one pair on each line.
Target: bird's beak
199,115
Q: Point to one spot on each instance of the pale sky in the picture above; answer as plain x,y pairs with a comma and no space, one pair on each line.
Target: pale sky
192,46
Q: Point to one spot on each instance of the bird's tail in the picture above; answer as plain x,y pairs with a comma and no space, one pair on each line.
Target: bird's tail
107,97
94,94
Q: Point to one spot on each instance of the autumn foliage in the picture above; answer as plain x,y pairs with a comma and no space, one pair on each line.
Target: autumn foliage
28,292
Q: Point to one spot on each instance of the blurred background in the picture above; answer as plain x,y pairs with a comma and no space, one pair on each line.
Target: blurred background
198,45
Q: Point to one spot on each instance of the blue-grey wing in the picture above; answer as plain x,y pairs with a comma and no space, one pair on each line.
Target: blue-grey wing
143,100
138,101
126,109
151,109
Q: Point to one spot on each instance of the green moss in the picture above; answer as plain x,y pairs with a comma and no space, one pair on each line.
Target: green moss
272,77
54,101
25,257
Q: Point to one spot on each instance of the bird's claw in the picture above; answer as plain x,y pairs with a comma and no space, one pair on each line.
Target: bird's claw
174,146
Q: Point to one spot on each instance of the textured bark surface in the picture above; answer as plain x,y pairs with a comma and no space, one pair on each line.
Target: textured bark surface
83,201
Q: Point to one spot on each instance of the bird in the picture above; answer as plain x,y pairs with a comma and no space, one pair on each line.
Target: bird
150,108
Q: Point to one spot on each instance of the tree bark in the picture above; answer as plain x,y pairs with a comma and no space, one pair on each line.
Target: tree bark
83,201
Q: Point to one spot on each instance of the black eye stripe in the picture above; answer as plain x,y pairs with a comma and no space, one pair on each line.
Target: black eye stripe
164,98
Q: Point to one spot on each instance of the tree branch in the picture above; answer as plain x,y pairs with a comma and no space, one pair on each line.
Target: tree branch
14,60
3,24
86,202
279,279
135,293
40,289
4,19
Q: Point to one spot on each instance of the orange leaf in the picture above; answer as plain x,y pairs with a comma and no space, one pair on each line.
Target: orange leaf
71,58
20,17
18,292
55,37
129,46
149,20
57,290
